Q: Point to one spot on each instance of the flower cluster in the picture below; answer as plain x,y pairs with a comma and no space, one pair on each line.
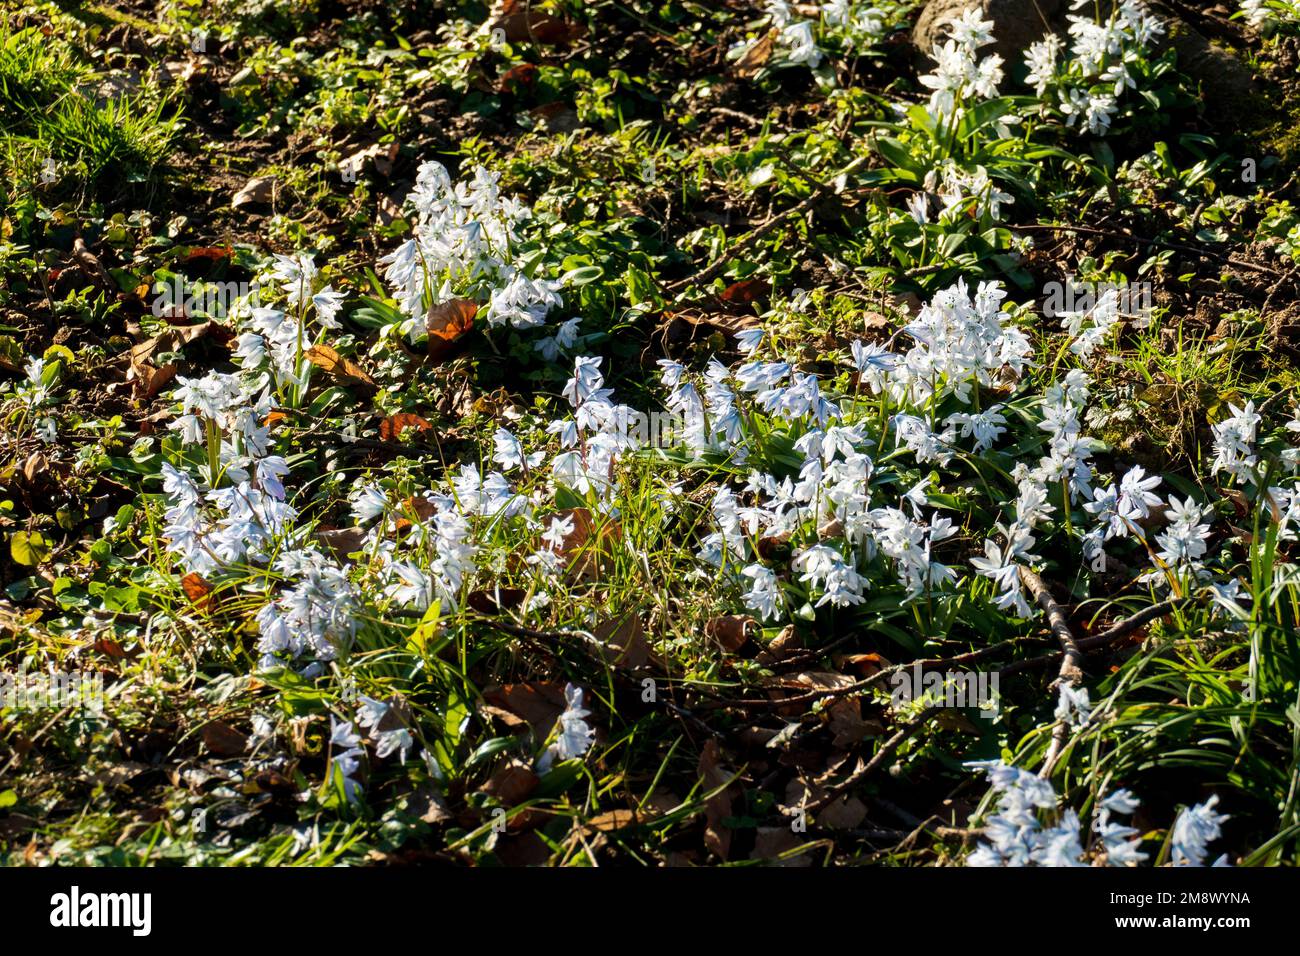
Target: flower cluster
1104,55
961,75
1028,828
466,244
846,25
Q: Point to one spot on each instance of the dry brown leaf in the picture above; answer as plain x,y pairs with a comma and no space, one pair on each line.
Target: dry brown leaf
730,631
519,75
198,590
429,805
149,381
781,647
512,783
538,702
383,156
521,23
171,339
259,189
746,291
342,541
341,367
587,549
771,842
34,467
718,807
90,265
446,324
756,57
842,714
843,813
864,664
392,427
108,647
223,740
679,329
524,849
611,820
623,641
494,600
387,211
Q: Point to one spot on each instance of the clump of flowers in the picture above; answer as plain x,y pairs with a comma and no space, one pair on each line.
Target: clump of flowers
1106,57
1028,827
961,75
465,244
837,26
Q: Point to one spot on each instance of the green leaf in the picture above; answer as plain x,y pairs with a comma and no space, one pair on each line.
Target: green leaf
28,548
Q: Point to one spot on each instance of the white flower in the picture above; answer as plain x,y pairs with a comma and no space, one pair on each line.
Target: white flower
1194,830
575,735
369,503
1073,706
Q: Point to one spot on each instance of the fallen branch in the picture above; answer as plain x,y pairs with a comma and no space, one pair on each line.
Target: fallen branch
1071,659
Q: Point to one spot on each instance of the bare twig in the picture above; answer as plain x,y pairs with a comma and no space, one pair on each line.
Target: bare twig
886,750
712,271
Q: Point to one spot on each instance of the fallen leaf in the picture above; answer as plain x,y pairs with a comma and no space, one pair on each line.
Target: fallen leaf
198,590
341,367
34,467
746,291
171,339
90,265
274,782
864,664
771,842
392,427
223,740
342,541
556,117
843,813
755,58
446,323
387,211
611,820
587,550
150,380
524,849
108,647
512,783
781,646
520,22
207,253
429,805
842,714
259,189
539,703
682,328
730,631
718,807
383,156
521,74
623,641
